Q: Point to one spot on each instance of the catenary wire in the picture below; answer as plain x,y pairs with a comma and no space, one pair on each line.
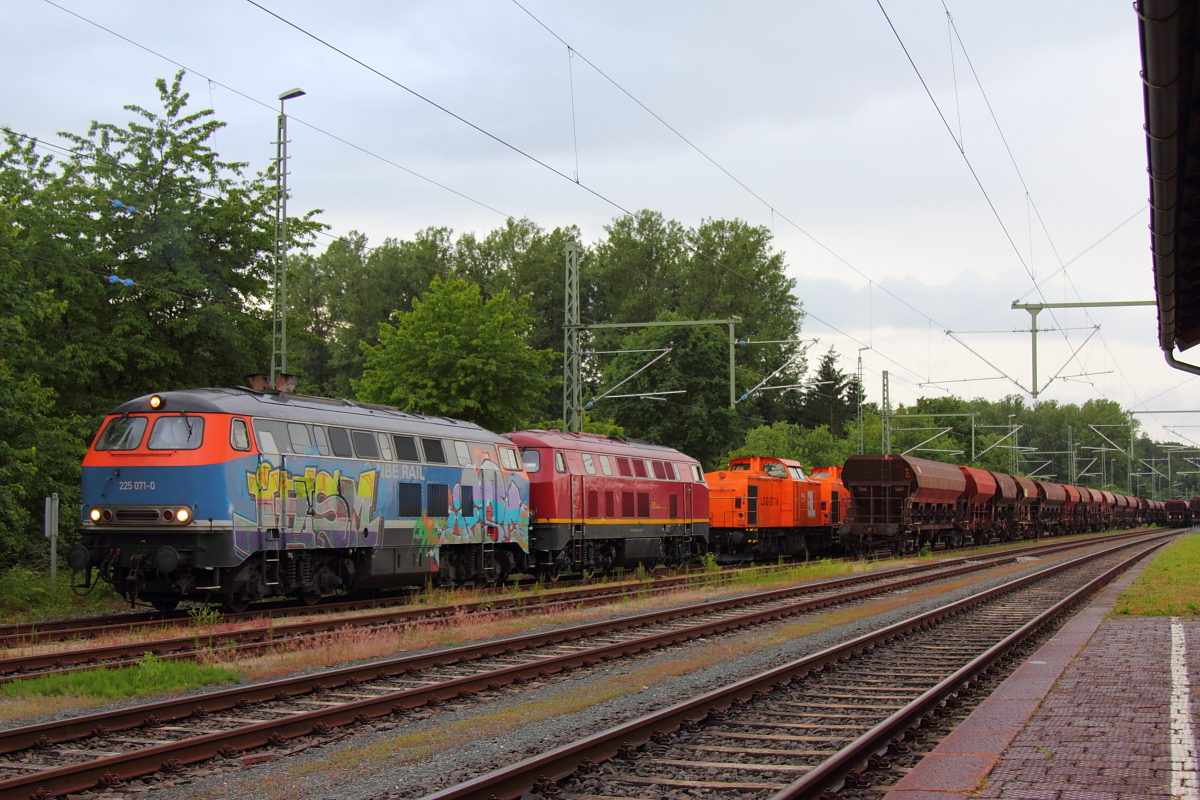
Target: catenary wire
774,211
271,108
351,144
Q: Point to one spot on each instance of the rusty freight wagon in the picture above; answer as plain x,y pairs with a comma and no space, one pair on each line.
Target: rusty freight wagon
901,504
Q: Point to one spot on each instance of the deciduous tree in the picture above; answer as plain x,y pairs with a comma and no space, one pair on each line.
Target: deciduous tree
460,356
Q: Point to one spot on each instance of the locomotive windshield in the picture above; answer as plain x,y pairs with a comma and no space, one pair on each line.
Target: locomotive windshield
532,459
177,433
123,433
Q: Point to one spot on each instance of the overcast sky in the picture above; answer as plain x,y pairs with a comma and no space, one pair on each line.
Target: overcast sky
812,106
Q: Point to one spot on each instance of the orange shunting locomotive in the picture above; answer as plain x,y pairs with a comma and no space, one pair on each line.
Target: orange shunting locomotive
768,507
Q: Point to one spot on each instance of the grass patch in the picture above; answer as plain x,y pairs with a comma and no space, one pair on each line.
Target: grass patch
27,595
150,676
1169,586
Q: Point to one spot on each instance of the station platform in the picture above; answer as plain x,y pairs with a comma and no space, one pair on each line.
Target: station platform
1103,711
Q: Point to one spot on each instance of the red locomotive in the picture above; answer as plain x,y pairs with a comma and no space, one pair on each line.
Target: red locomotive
601,502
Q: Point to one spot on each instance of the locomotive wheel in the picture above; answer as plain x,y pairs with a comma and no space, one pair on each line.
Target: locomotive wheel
165,605
310,598
236,605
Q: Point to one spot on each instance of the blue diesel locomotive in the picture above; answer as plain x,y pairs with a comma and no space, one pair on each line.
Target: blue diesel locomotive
235,495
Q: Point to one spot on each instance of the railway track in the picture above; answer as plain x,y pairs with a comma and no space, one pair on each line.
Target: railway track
103,750
21,634
844,719
272,635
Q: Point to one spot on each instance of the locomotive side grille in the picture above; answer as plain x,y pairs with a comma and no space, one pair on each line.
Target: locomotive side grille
137,514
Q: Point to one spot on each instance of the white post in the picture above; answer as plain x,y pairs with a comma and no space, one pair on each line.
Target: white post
52,535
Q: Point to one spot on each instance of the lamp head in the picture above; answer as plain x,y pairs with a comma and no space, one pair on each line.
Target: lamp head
290,93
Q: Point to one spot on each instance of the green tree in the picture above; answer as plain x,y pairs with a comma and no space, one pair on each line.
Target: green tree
647,265
457,355
149,201
40,446
829,398
813,448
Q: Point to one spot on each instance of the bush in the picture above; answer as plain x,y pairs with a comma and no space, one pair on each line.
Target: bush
26,595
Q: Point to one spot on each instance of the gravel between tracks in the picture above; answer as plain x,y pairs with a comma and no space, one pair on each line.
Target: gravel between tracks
381,780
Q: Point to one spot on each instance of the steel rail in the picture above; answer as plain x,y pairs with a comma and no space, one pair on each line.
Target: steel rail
170,756
855,758
22,666
28,633
26,665
512,781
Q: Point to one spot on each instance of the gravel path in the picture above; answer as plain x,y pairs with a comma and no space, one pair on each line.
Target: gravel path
306,776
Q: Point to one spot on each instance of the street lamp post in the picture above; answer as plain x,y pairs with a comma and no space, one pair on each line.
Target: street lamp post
279,363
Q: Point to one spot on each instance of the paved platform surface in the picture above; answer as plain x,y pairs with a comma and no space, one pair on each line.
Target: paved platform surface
1087,717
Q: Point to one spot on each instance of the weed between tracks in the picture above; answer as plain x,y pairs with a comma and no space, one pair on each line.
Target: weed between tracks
149,677
1169,586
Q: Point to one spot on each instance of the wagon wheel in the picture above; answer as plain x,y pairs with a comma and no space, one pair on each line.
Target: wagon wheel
166,604
310,598
236,605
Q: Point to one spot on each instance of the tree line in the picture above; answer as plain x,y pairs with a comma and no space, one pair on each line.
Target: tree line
139,261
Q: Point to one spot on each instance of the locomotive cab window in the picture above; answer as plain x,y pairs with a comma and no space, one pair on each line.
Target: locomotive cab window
739,467
122,433
272,436
365,444
239,435
697,475
464,454
176,433
339,441
823,473
589,465
508,457
798,474
560,463
775,470
532,459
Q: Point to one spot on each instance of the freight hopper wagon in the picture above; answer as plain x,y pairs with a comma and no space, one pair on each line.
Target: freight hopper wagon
900,504
235,495
764,507
1179,513
603,502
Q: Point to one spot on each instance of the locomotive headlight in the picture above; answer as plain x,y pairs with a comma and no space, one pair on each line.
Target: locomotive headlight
94,515
183,515
156,401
